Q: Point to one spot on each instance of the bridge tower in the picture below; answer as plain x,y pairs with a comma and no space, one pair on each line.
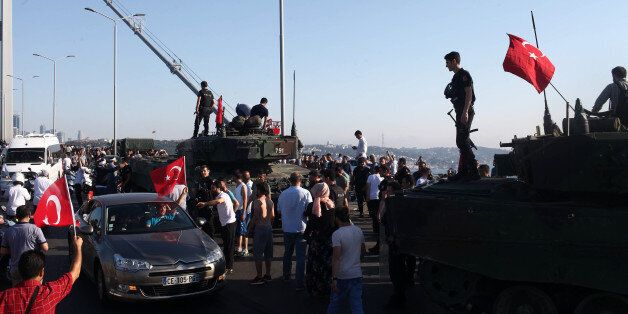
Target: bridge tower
6,67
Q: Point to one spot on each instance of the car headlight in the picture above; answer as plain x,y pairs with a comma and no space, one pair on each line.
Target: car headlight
215,255
129,264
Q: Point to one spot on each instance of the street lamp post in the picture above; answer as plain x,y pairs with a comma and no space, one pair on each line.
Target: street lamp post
115,53
54,85
115,27
22,113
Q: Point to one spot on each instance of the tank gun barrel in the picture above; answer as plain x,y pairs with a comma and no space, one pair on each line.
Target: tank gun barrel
174,68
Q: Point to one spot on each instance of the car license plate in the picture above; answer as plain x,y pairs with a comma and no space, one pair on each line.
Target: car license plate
180,280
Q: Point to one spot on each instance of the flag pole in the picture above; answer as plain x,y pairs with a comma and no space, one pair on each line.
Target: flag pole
67,190
548,124
547,118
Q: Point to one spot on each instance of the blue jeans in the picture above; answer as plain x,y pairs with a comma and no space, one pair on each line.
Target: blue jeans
350,289
292,240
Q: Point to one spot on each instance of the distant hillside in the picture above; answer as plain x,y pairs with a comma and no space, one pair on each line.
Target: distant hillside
439,158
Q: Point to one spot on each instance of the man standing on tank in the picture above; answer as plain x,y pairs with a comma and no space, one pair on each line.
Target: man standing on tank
205,105
462,96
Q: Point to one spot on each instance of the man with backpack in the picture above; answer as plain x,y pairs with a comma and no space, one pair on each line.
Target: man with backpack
617,95
336,193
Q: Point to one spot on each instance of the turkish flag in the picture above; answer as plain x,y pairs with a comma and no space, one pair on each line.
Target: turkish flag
528,62
220,111
165,178
55,206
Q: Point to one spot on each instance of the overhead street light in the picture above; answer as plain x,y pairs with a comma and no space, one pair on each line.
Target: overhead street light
54,84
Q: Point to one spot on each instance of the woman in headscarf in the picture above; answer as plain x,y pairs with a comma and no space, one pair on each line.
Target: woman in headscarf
320,226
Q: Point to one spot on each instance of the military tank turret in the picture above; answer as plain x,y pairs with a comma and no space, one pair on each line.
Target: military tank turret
547,236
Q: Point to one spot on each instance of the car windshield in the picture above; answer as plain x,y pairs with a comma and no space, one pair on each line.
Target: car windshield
25,155
147,218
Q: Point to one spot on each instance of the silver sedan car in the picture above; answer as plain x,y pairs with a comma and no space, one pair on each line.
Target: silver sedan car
138,246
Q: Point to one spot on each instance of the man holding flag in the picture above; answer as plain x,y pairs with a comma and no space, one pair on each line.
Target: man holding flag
32,295
165,179
461,94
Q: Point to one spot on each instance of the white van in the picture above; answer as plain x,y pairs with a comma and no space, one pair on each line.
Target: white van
30,154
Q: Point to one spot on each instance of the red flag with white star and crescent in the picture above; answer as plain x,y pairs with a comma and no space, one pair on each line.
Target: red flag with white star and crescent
165,178
55,207
528,62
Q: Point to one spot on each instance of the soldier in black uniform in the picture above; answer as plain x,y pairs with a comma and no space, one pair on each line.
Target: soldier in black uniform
124,172
460,92
203,194
204,107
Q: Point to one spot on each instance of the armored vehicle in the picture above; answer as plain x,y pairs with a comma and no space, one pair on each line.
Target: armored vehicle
547,236
224,155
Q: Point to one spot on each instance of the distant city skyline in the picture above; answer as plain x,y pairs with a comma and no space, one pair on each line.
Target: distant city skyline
365,65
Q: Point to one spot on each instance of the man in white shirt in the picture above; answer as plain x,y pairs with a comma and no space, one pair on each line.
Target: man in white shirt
291,205
67,163
227,218
348,248
179,194
42,182
18,195
362,145
372,196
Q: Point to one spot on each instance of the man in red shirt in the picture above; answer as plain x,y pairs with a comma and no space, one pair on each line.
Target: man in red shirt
32,295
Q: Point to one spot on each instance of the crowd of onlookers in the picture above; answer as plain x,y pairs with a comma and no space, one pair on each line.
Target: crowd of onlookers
315,217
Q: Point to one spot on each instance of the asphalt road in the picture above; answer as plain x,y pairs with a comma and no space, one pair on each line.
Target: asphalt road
239,296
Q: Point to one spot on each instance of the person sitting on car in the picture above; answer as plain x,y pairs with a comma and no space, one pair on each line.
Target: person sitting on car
164,213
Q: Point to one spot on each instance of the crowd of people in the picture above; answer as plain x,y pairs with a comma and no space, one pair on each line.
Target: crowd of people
315,215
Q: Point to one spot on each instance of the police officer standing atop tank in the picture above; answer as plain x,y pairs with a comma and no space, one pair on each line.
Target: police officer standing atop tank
461,94
205,105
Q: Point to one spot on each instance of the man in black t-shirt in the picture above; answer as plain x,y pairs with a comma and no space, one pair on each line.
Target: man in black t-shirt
260,110
204,107
359,177
460,92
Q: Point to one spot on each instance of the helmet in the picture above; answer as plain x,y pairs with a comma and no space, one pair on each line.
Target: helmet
44,172
18,176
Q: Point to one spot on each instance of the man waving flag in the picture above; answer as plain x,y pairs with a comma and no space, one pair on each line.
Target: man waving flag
55,206
165,178
528,62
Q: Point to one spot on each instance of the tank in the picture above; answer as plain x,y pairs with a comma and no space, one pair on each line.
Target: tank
224,154
548,236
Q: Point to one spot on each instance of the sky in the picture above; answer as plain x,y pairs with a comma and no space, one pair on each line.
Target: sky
371,65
